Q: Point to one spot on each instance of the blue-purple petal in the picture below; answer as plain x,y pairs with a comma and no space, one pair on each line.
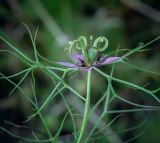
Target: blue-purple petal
109,60
77,57
103,57
69,65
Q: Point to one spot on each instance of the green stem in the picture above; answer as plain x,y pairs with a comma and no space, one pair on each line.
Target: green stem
86,110
103,113
106,105
47,128
40,114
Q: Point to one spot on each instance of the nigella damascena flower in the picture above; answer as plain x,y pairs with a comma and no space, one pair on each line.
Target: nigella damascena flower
90,54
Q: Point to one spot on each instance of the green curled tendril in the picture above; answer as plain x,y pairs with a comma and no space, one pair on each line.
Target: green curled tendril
93,52
90,51
100,40
80,44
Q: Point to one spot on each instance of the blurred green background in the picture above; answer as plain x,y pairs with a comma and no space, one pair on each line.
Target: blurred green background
123,22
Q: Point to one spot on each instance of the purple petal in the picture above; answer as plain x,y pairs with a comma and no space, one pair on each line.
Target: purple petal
110,60
77,57
103,58
106,61
69,65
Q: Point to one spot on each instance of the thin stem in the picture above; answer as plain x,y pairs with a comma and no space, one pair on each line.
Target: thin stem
40,114
46,128
18,52
44,103
86,110
33,42
52,74
106,104
71,114
129,84
55,68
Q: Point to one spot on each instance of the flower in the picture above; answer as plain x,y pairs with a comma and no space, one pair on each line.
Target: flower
90,54
103,60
